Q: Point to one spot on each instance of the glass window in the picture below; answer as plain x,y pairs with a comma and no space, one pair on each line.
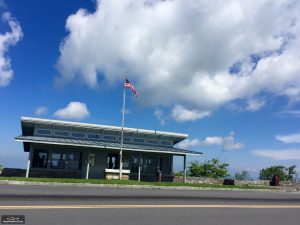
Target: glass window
44,132
138,140
153,142
125,139
40,158
93,136
166,142
126,163
134,167
113,161
78,135
150,165
58,160
74,161
165,165
109,137
61,133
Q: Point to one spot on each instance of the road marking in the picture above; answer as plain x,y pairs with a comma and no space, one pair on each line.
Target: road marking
146,206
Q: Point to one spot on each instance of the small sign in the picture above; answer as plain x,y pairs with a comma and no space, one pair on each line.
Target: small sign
13,219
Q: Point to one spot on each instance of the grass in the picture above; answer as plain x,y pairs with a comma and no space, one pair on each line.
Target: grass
129,182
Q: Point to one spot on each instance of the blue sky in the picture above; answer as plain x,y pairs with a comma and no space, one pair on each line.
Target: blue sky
227,74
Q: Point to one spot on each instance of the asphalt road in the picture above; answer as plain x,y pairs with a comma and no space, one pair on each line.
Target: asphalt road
95,205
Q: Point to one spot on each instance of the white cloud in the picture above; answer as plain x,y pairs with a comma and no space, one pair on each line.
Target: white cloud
6,40
181,114
74,110
160,116
41,111
227,142
285,154
255,105
289,113
188,143
196,55
287,139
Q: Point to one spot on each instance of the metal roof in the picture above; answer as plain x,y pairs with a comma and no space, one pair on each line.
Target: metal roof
105,145
176,136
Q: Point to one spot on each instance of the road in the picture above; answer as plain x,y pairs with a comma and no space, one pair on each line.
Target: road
98,205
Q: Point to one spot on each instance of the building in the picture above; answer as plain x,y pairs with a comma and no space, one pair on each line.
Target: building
81,150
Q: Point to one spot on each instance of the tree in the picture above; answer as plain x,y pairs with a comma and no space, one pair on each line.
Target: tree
212,168
284,173
244,175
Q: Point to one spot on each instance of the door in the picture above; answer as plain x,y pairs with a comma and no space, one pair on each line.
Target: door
98,163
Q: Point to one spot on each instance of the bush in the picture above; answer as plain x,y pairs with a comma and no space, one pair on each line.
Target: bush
244,175
213,168
284,173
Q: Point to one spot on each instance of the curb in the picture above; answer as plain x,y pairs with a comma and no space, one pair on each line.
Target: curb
12,182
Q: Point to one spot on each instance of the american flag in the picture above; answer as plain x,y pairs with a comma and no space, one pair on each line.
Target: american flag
127,84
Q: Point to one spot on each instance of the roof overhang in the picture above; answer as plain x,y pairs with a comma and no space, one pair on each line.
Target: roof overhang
104,145
176,137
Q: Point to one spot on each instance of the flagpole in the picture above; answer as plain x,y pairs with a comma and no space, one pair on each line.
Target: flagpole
122,131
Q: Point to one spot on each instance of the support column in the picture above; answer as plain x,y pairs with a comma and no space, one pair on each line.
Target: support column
87,167
139,171
184,168
28,162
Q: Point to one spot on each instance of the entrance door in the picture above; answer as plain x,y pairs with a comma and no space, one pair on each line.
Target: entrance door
98,163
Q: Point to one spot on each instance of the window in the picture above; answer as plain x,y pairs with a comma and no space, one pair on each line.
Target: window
165,165
113,161
153,142
138,140
125,139
134,167
78,135
166,142
44,132
150,165
58,160
93,136
126,163
74,161
61,133
40,158
109,137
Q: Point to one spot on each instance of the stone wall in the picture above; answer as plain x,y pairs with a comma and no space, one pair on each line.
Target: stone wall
206,180
13,172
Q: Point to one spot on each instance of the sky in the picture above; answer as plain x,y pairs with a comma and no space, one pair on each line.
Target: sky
225,73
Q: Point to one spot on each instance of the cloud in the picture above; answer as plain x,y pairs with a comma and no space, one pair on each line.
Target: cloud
289,113
255,105
288,139
41,111
188,143
160,116
227,142
285,154
6,40
74,110
181,114
193,57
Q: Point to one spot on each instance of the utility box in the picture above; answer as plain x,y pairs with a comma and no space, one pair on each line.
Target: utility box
275,181
228,182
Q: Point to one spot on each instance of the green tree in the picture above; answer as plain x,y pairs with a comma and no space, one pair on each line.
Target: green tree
1,167
213,168
284,173
291,173
244,175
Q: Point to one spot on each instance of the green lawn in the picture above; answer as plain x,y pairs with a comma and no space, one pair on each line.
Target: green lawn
128,182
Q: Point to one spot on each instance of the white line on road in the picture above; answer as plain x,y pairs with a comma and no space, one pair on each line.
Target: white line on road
9,207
